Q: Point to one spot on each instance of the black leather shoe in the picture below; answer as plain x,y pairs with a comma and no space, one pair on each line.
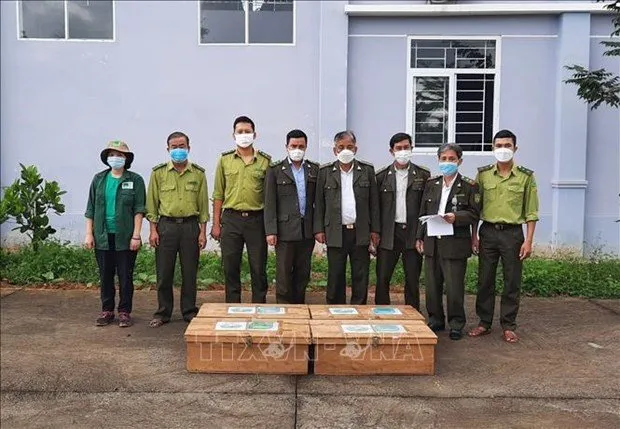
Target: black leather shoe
456,334
436,327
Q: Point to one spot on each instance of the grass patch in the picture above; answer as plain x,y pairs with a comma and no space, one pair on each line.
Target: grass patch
556,275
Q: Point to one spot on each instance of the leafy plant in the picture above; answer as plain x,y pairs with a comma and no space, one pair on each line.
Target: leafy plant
598,87
28,201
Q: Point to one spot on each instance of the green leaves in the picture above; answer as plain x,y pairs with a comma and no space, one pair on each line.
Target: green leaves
28,200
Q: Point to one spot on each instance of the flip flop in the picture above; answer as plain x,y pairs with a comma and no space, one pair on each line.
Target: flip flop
510,336
479,331
156,323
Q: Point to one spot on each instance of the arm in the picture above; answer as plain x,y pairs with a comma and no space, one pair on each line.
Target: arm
218,200
530,206
139,209
319,208
89,240
471,214
375,215
152,209
419,243
271,207
474,228
203,211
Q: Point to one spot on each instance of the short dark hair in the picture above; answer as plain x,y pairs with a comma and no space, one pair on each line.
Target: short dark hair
450,146
344,134
177,134
244,120
296,134
505,134
399,137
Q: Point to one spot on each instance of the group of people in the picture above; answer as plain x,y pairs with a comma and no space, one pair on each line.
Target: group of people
293,203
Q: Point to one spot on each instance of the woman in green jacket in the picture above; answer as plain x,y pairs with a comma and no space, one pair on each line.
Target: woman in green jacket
113,223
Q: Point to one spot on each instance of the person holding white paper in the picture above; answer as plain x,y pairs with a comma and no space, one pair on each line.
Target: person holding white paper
455,198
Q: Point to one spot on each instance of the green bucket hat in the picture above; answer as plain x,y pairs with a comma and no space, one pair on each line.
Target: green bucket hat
119,146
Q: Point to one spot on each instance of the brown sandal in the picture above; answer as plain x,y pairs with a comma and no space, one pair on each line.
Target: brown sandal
156,323
510,336
479,331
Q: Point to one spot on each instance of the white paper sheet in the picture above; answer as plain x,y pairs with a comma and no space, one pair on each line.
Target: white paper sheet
436,225
241,310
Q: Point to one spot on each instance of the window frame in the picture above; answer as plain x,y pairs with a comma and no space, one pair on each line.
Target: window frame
451,73
247,30
18,4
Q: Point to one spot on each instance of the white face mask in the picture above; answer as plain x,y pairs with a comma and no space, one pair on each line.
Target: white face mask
503,154
346,156
403,156
244,140
296,154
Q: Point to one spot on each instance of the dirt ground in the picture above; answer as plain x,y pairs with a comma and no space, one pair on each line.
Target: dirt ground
58,371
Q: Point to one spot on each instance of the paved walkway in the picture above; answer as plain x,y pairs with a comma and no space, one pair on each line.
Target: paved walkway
58,370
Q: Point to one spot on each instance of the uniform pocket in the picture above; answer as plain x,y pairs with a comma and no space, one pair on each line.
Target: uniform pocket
192,187
168,187
489,192
514,195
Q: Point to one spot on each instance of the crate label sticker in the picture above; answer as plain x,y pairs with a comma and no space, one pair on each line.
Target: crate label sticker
231,326
241,310
271,310
260,325
343,311
386,311
389,329
357,329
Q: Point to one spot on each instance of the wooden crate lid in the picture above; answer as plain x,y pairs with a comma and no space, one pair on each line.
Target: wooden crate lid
247,330
371,331
363,312
256,311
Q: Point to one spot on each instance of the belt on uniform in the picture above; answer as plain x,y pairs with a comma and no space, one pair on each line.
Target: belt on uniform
246,213
349,226
179,219
502,226
400,225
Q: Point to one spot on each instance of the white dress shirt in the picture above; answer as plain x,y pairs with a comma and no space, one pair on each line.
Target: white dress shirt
401,194
445,192
347,202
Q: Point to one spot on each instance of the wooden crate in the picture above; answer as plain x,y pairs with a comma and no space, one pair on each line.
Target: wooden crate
256,311
376,347
236,346
364,312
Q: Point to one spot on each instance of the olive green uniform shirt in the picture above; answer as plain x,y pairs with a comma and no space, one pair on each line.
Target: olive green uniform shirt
175,194
241,186
512,199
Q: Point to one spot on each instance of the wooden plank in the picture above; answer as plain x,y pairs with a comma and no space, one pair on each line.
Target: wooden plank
256,311
208,330
335,332
364,312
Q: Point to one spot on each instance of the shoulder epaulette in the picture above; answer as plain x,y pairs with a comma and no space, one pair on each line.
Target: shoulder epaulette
158,166
485,168
198,167
274,163
228,152
312,163
525,170
435,177
381,170
361,161
422,167
266,155
468,180
327,164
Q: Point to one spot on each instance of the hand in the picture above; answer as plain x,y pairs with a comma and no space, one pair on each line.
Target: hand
526,250
372,250
475,244
375,239
89,241
135,243
154,239
449,217
216,231
272,240
419,246
202,240
320,237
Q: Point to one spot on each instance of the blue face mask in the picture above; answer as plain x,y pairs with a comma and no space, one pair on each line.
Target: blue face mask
448,168
179,155
116,162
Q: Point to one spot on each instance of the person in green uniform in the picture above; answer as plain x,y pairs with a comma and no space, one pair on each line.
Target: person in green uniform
177,204
509,199
238,202
114,216
456,198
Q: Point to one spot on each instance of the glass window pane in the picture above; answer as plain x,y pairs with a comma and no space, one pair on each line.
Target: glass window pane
271,21
90,19
430,110
222,21
42,19
474,110
430,64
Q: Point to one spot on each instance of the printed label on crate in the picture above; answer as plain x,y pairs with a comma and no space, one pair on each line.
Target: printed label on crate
389,329
241,310
340,311
231,326
357,329
386,311
271,310
261,325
